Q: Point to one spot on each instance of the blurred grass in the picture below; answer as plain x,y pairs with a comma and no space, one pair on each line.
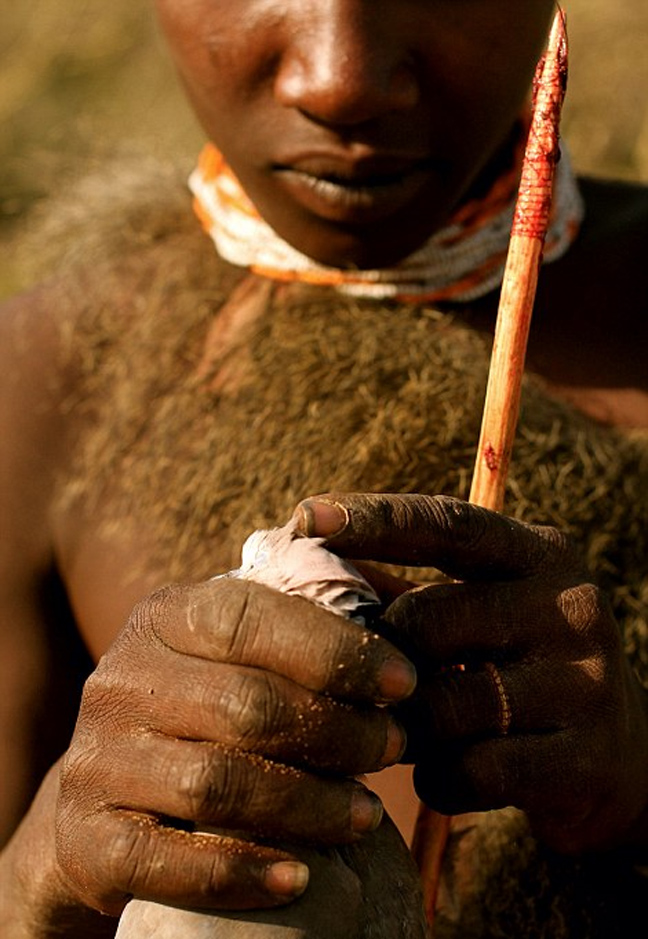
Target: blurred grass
83,78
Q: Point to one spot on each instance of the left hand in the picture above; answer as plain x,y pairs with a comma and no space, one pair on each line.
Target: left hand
525,696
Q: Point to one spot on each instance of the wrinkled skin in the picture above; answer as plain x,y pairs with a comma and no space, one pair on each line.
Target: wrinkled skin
575,755
230,675
206,683
346,899
234,672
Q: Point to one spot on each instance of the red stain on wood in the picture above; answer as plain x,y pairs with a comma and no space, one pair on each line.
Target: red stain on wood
491,457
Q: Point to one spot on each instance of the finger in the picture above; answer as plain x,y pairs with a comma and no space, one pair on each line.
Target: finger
541,774
218,787
534,699
456,537
455,706
564,780
255,710
486,702
445,623
247,624
386,584
329,877
119,855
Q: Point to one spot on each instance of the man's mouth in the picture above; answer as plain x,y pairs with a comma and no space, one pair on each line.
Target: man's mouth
352,192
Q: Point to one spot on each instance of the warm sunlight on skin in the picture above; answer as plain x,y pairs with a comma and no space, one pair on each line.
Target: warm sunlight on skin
356,130
198,745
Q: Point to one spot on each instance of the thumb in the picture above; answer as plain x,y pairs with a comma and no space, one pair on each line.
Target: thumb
458,538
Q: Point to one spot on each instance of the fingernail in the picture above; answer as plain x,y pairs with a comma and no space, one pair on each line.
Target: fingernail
396,679
288,878
366,811
320,517
396,743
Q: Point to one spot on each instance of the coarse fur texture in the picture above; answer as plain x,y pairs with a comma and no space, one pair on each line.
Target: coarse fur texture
513,886
311,392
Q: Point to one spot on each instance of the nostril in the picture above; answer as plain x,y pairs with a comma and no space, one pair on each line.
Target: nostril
404,88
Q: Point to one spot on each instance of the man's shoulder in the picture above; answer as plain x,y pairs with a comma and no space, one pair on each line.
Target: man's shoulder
125,253
123,248
615,210
28,336
611,251
611,193
590,332
32,425
119,230
605,271
33,380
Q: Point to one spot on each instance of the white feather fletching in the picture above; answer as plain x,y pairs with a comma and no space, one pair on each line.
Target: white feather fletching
285,560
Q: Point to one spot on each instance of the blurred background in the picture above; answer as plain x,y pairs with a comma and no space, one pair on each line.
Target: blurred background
84,78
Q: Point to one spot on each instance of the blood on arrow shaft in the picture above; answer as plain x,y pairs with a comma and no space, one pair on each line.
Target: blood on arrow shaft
502,403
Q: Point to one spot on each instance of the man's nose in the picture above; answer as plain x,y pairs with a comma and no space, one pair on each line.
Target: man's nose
341,66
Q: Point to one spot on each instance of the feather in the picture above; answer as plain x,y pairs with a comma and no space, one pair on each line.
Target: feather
284,560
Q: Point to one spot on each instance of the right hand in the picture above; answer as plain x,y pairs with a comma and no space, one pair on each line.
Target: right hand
224,705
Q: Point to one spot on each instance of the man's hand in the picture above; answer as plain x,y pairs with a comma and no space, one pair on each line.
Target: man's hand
525,696
224,705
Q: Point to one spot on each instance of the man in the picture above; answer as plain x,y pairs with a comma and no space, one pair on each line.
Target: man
161,402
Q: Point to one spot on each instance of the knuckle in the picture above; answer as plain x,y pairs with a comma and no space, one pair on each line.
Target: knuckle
448,509
199,786
256,711
451,517
379,510
108,697
587,610
219,874
98,877
102,685
234,612
382,514
211,786
146,612
96,690
80,772
554,549
126,857
467,527
467,532
453,521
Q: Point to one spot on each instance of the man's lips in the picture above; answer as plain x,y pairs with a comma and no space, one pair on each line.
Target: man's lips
353,191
